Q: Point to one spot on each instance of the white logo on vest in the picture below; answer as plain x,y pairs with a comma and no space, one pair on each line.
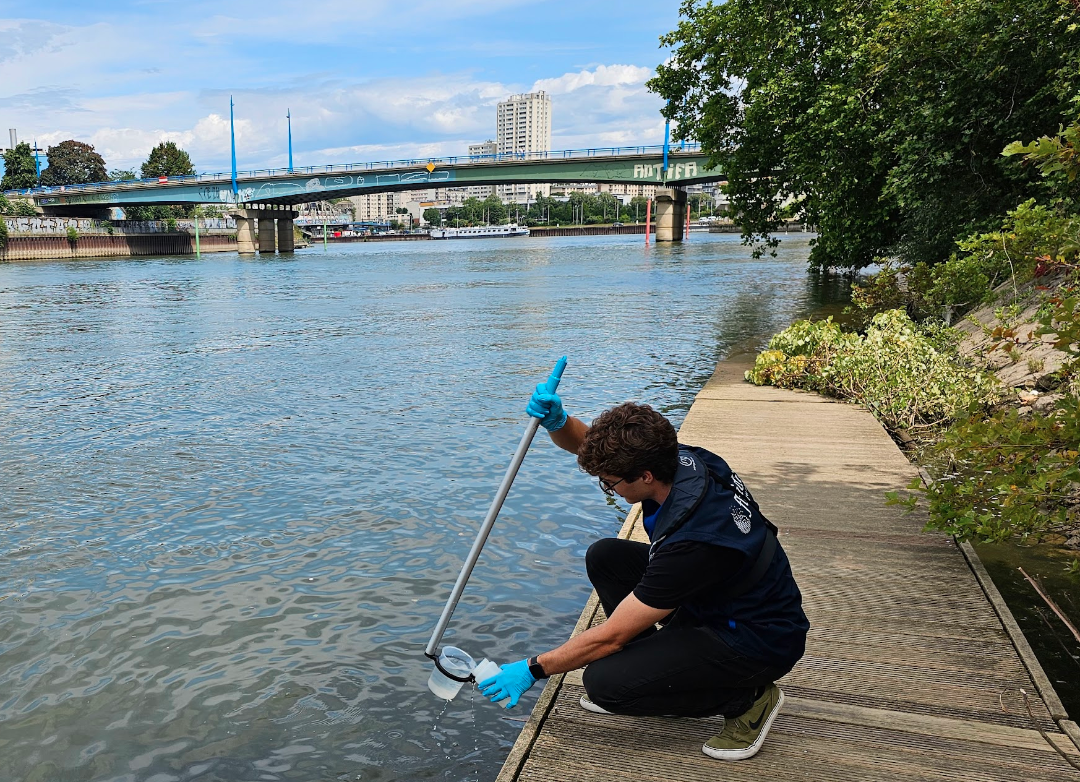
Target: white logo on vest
742,521
687,461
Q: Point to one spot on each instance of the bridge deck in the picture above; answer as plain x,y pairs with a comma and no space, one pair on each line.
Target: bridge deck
909,672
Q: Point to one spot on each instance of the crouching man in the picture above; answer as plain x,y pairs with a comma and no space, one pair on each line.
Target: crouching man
703,620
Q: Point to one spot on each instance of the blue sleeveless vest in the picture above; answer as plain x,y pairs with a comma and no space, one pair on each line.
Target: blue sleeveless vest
709,503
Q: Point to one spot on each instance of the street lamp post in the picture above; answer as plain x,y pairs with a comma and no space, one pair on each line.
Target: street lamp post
288,116
37,162
232,141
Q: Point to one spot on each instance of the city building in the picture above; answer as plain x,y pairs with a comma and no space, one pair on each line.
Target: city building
483,149
523,125
379,207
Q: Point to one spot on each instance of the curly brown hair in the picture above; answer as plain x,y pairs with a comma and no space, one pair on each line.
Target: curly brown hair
629,439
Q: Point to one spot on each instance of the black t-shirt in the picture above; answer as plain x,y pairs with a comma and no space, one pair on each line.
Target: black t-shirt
678,571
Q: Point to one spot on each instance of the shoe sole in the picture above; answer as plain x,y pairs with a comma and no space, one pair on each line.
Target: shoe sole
753,749
588,705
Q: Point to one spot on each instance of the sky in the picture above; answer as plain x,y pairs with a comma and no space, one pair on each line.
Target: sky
364,80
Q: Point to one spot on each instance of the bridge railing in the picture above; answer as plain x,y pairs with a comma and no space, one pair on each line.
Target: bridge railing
345,168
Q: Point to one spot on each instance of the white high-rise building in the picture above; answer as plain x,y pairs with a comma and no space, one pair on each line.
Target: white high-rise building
524,125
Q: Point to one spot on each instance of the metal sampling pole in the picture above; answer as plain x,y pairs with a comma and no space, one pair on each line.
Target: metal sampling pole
485,528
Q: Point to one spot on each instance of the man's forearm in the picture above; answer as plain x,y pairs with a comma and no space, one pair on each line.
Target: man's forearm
579,651
630,618
571,435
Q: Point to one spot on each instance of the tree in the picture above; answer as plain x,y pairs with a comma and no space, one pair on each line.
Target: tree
495,210
20,171
22,207
432,216
472,211
167,159
884,120
73,163
121,175
701,204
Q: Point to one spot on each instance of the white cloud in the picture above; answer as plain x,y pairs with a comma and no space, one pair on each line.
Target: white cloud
602,76
24,37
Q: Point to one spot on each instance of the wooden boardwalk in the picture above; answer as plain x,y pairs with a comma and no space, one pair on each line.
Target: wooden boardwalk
910,673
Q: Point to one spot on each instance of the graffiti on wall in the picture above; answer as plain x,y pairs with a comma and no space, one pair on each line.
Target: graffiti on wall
58,226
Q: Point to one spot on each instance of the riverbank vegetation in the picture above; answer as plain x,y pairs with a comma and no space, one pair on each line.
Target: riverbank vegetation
991,405
904,132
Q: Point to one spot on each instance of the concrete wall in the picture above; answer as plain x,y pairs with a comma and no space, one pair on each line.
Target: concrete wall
27,248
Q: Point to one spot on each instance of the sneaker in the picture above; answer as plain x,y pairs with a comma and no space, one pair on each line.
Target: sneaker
588,705
743,736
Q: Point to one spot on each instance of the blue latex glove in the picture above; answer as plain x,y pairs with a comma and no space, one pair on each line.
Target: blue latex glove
513,681
547,406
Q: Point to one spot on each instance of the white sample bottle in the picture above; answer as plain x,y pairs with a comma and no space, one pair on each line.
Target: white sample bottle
485,670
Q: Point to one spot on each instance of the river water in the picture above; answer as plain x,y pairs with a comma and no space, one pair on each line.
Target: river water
236,491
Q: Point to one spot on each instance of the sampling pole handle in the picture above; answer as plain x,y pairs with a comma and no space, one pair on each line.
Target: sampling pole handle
489,520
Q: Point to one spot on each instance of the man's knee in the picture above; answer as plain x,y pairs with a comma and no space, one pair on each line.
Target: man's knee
600,556
603,684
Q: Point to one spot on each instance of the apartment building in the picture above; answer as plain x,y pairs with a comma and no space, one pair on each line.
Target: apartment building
489,147
523,125
378,207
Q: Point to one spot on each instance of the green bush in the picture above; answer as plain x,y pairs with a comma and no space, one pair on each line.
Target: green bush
5,206
3,233
170,225
984,261
1053,155
1030,234
1007,474
909,376
1013,473
800,356
24,209
72,234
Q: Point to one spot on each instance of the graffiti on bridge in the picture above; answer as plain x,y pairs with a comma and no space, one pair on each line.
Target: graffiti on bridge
328,184
675,171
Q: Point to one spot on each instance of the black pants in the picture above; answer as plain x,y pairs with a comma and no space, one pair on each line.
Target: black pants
681,670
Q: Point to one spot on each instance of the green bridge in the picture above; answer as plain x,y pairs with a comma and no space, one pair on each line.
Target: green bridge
284,187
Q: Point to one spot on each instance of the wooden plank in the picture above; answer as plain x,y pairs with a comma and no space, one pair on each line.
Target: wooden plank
930,725
593,746
1072,730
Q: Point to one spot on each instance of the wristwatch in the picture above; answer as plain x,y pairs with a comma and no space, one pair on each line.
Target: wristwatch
536,669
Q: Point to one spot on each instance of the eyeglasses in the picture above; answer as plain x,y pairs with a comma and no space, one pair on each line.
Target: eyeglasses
608,487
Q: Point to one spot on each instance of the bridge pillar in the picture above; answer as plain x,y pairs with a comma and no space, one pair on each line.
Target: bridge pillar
245,234
267,234
285,240
670,214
